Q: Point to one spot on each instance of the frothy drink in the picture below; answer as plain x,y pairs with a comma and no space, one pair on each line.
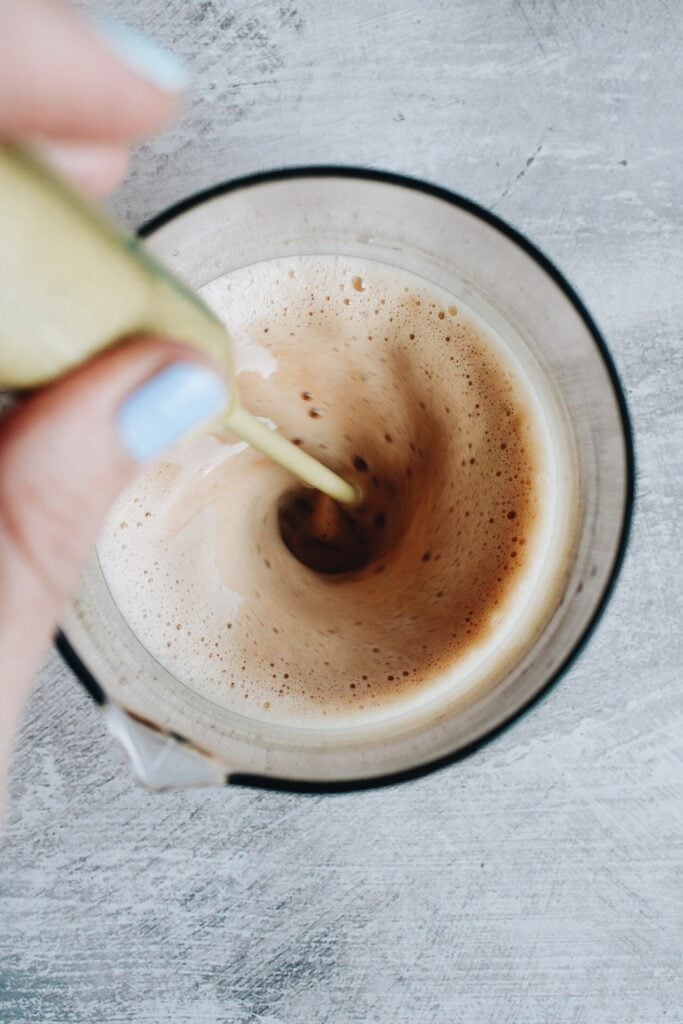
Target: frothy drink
271,602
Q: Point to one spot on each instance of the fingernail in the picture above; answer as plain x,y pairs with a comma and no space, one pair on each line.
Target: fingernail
166,407
145,56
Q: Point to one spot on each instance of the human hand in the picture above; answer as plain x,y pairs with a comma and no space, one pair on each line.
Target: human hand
81,92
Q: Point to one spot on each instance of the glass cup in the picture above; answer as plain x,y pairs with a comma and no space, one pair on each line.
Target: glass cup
176,737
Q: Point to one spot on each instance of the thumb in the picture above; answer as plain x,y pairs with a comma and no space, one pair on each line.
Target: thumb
65,454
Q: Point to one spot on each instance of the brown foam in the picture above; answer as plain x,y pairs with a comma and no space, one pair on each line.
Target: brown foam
379,375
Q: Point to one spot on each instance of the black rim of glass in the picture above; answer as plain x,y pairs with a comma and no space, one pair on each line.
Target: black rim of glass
95,689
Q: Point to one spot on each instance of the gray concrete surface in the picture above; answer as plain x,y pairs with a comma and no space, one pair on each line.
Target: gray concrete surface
540,881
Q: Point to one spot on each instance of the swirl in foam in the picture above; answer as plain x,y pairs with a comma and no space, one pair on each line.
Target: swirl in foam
391,382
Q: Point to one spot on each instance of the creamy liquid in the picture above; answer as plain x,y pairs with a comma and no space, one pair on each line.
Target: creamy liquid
396,386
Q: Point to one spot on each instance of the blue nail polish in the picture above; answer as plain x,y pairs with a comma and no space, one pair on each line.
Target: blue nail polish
169,405
145,56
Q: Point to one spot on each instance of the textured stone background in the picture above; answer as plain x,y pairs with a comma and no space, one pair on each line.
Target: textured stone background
540,881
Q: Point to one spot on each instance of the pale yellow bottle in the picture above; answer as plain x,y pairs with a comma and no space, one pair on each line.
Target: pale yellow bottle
72,284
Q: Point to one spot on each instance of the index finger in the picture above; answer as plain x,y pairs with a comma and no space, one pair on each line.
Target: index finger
63,76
